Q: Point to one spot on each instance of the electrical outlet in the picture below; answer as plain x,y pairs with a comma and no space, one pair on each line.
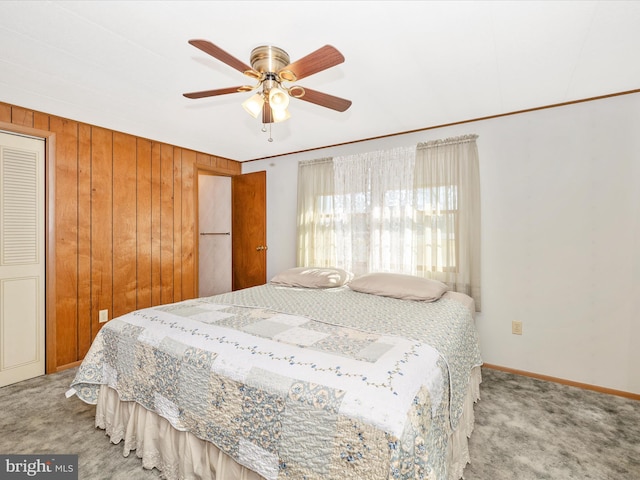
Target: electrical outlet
516,327
103,316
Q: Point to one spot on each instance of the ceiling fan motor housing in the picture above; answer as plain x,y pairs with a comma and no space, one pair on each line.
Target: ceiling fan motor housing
269,59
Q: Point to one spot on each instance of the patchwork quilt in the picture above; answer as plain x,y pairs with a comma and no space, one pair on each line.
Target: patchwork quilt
298,383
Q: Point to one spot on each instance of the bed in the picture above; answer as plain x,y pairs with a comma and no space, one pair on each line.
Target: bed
292,381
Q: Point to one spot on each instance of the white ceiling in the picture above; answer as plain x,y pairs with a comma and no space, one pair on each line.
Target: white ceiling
409,65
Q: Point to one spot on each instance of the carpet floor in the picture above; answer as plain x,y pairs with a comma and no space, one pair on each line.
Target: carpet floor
526,429
530,429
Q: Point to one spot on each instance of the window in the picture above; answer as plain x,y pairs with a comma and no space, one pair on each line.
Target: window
406,210
435,229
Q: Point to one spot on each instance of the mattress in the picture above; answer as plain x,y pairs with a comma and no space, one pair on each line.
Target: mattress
291,383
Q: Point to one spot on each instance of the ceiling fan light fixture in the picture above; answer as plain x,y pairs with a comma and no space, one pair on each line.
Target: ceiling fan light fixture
278,99
280,115
253,105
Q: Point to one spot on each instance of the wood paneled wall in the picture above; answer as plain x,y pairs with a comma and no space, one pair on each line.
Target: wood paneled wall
124,219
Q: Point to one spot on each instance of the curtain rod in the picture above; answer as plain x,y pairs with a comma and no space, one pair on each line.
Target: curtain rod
447,141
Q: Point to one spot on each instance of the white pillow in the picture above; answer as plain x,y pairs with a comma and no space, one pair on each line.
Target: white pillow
312,277
396,285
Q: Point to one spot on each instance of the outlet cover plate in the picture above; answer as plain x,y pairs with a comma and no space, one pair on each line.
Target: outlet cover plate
516,327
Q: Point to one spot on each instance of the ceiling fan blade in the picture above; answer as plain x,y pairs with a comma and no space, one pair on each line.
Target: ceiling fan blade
213,93
217,52
325,100
323,58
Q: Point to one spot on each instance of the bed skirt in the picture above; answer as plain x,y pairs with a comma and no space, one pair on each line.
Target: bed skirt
182,455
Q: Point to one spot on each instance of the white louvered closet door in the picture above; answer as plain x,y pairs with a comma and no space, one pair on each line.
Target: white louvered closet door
22,262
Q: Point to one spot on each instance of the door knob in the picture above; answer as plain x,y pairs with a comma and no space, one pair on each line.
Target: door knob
261,247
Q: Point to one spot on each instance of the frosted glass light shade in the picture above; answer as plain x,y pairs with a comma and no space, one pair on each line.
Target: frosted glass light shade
253,105
280,114
278,99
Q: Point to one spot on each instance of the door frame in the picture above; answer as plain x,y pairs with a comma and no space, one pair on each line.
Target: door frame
49,236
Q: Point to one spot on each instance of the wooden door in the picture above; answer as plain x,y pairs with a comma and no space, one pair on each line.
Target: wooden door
22,260
249,227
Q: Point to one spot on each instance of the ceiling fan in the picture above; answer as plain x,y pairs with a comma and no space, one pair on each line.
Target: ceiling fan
271,68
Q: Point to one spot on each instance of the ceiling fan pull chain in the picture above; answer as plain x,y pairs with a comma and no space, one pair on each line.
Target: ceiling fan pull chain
264,129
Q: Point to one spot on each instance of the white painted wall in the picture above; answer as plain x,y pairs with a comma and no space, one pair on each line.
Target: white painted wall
560,236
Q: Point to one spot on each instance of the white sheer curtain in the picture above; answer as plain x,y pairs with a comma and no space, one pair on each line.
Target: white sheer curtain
316,237
447,212
413,210
372,210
